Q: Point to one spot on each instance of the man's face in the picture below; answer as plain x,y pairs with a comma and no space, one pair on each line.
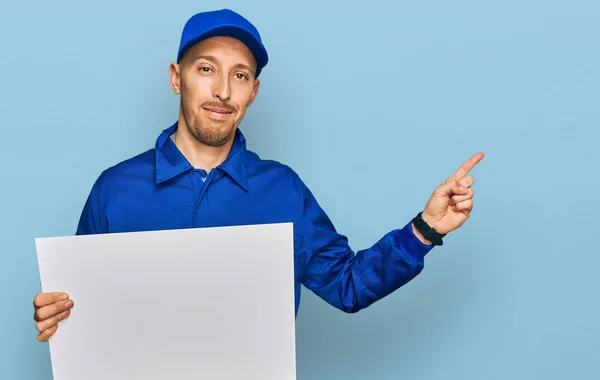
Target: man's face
215,79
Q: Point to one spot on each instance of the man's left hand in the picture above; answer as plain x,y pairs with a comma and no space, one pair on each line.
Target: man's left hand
451,203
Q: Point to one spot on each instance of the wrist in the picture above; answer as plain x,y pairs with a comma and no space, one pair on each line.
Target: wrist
432,222
428,219
426,230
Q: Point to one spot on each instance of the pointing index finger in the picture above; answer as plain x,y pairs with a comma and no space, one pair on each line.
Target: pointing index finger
467,166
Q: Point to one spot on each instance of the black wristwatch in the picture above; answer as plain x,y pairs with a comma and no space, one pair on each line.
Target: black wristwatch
428,232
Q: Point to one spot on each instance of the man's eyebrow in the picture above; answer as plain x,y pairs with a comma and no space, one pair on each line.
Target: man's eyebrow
205,57
245,67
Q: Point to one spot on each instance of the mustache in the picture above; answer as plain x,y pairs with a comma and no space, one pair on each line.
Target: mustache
222,105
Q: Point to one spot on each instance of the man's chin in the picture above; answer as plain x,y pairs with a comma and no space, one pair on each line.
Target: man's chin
214,140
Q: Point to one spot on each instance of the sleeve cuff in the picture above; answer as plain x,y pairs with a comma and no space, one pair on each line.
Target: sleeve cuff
410,245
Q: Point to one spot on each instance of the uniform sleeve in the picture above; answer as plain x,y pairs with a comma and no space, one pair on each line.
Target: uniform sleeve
353,281
90,221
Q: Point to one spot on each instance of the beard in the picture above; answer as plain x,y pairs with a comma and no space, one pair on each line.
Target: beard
209,132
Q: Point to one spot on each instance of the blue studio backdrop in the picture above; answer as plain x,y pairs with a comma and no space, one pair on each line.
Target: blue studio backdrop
373,104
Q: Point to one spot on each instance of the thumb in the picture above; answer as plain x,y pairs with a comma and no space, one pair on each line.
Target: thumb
451,187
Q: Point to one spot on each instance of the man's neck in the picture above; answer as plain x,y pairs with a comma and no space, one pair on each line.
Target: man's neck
199,155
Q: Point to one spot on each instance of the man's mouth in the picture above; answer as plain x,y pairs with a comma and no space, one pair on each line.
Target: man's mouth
219,113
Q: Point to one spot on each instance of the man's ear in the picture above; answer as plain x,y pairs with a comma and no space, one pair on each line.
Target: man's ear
254,92
175,76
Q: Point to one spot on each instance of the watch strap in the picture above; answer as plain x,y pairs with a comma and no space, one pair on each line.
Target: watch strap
427,231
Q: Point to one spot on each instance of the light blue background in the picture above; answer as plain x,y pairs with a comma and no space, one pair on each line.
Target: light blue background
374,104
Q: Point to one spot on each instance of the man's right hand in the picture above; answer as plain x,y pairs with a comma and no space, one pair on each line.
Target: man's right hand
50,308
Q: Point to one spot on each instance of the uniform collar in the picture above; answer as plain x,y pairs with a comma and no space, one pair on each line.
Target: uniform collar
170,162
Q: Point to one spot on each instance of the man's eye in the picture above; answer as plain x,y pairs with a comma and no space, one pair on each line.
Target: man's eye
205,69
241,76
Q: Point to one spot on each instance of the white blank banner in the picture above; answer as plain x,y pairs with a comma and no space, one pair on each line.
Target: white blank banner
207,303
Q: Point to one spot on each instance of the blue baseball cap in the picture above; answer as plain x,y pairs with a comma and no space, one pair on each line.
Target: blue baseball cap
224,22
